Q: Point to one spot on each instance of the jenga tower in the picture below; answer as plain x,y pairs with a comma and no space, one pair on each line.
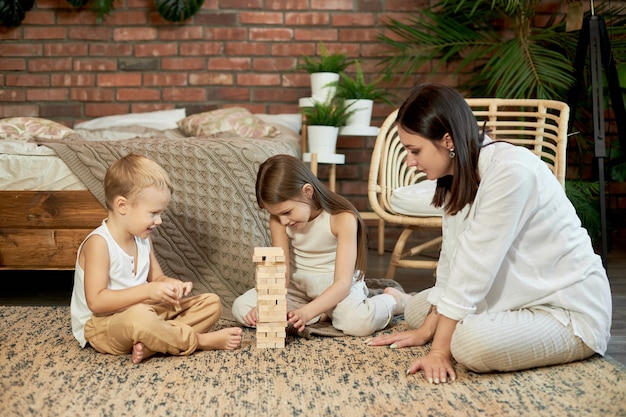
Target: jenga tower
272,297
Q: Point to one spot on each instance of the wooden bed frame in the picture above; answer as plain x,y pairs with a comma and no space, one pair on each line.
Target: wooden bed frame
43,229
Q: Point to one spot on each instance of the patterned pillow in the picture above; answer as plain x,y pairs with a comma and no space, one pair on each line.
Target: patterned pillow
234,119
30,128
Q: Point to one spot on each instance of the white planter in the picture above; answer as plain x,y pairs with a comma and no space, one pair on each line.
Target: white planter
322,140
362,115
320,90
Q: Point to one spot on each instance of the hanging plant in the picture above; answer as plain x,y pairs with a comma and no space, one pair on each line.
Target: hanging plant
172,10
178,10
12,12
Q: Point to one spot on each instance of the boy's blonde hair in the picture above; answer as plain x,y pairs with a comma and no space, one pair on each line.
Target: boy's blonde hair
131,174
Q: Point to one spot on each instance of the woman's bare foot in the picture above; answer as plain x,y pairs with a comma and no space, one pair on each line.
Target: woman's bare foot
140,352
401,298
223,339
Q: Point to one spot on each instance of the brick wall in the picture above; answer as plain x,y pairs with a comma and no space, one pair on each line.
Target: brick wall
62,64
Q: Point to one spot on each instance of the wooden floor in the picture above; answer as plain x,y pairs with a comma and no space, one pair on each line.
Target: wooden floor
54,288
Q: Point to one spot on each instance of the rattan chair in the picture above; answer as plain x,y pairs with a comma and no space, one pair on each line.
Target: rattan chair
540,125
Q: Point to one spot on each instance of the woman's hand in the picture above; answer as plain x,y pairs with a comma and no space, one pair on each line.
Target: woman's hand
437,367
408,338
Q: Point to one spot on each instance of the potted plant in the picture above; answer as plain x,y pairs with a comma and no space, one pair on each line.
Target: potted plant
324,70
323,119
360,95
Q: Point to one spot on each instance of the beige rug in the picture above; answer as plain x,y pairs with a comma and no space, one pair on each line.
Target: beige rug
44,373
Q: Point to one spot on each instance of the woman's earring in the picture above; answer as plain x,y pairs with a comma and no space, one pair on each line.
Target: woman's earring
452,154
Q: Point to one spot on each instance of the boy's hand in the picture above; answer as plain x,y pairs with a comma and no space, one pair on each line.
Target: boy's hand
167,292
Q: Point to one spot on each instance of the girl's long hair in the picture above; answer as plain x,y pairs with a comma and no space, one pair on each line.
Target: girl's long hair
431,111
281,178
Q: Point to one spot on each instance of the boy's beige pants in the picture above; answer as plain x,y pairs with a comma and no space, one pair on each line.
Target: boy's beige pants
160,327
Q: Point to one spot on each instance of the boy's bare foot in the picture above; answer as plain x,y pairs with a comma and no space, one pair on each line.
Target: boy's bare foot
401,298
223,339
140,352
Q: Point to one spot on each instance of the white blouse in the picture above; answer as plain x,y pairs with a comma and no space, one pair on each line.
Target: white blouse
521,245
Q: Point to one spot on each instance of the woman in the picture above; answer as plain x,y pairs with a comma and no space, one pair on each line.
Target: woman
518,283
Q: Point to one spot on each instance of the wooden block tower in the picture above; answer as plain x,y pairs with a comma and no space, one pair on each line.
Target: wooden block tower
272,297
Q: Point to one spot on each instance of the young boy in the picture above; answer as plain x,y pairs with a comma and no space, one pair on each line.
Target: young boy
122,302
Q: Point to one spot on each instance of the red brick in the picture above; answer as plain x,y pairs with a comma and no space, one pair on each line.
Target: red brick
93,64
211,79
47,94
49,65
118,80
316,35
332,4
353,19
45,33
27,80
200,48
110,50
258,79
12,95
241,4
92,94
134,34
161,79
181,33
246,48
129,17
91,33
13,49
238,94
286,4
225,34
12,64
19,110
271,34
105,109
156,49
138,94
229,64
73,80
188,64
184,94
261,18
65,49
38,17
274,64
307,19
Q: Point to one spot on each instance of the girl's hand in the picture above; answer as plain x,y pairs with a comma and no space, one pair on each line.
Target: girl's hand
401,339
298,318
437,367
251,318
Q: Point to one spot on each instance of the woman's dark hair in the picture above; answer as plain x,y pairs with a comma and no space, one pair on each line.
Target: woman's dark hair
281,178
431,111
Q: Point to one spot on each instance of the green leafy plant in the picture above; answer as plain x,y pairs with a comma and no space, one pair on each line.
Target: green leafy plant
325,62
172,10
332,113
499,51
356,88
12,12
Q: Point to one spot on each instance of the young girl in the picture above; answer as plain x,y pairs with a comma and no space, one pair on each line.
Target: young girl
121,301
324,241
518,283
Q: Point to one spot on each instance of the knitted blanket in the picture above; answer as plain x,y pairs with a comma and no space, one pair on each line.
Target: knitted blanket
213,222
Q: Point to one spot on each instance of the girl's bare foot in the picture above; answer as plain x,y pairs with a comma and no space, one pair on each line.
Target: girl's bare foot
140,352
401,298
224,339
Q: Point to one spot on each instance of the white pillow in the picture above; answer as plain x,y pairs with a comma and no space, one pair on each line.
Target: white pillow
415,199
290,120
158,120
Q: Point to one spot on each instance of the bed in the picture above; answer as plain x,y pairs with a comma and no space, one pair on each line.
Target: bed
51,192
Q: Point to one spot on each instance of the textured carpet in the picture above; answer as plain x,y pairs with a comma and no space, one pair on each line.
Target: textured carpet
44,373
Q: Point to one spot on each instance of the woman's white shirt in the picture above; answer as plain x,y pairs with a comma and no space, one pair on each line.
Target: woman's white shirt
520,245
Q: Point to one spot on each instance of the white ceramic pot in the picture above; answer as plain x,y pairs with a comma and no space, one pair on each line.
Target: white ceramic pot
362,115
320,90
322,140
